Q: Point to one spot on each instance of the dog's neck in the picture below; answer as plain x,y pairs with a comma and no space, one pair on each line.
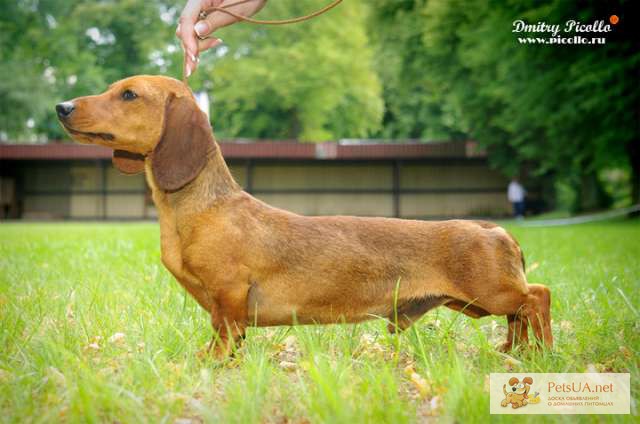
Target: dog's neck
212,185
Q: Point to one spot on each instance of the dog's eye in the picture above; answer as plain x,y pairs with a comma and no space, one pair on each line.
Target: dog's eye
128,95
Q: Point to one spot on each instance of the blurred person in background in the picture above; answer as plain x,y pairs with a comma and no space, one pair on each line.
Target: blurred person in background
516,194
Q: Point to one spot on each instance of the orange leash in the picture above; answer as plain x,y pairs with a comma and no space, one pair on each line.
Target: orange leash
225,9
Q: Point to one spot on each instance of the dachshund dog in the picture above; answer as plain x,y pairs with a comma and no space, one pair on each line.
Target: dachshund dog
518,392
250,264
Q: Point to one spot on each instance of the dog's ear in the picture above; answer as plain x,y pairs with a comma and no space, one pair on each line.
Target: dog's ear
184,145
127,162
528,380
513,381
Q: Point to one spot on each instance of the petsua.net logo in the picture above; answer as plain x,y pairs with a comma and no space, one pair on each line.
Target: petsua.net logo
560,393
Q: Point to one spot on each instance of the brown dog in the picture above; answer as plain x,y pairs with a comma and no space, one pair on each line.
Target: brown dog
248,263
518,392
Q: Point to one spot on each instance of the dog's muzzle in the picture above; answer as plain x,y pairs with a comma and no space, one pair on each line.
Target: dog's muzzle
65,109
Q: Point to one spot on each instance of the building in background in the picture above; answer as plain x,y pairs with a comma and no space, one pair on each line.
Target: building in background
409,180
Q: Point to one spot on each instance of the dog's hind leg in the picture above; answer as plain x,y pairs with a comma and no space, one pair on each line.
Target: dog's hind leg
517,323
538,313
534,310
517,333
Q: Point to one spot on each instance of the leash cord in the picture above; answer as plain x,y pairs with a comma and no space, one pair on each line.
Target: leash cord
226,10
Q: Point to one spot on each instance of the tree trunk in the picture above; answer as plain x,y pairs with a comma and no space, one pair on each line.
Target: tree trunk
590,195
295,126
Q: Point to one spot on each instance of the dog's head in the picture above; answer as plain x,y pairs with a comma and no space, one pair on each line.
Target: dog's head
519,387
143,117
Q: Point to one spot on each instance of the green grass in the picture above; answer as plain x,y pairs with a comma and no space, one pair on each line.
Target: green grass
67,288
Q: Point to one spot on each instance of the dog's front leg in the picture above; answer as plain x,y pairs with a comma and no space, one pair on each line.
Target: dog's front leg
228,319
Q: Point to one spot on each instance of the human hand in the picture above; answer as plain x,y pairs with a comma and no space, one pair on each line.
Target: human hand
192,30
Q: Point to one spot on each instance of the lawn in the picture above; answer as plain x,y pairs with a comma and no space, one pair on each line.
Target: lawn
93,328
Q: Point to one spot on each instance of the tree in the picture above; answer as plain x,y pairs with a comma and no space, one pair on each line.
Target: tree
414,107
566,111
312,81
55,50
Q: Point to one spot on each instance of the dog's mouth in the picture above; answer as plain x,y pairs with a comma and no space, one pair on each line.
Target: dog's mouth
103,136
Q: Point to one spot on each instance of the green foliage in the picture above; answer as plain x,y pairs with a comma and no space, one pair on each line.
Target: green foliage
313,81
415,103
567,111
54,50
67,289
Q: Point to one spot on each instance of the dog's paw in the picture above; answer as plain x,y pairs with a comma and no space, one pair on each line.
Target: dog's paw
219,350
204,353
505,347
213,351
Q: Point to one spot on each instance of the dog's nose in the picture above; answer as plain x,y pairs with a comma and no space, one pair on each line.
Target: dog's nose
65,109
513,388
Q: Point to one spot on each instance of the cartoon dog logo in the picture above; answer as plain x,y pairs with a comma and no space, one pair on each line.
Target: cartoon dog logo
517,393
